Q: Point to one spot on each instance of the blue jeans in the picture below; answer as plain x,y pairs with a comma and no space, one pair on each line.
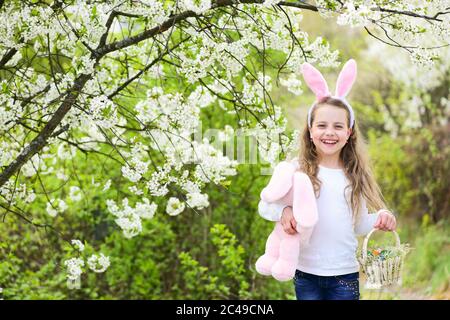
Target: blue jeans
311,287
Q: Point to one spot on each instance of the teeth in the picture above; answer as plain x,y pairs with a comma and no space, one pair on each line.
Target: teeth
329,141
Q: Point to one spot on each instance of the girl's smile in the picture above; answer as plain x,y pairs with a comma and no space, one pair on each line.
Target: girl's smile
329,142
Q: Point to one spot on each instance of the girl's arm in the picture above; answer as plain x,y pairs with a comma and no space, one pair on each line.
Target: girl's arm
383,220
270,211
366,221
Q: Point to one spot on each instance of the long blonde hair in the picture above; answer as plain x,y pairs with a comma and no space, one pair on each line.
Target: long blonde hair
355,160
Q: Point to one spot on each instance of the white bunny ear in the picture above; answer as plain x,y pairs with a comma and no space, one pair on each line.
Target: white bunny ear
346,78
315,81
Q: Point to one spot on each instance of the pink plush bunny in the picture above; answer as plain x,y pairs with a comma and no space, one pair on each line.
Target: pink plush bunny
294,188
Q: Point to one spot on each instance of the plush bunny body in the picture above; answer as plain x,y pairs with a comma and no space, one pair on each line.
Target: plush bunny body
292,188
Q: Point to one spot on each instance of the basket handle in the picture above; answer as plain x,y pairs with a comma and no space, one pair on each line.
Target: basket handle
366,240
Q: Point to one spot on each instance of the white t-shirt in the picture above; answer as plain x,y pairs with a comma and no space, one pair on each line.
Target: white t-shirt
333,243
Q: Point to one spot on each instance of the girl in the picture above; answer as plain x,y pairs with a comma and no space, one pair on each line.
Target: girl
333,156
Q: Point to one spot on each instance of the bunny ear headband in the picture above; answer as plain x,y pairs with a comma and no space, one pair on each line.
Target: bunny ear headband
318,85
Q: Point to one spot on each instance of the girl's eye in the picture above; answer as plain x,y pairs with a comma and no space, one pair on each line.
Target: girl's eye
339,127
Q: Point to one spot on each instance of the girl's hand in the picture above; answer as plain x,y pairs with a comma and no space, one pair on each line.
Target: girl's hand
386,221
288,221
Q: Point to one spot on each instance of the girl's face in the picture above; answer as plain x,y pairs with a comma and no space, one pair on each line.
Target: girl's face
329,130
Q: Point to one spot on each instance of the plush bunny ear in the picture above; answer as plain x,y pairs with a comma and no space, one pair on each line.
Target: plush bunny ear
280,183
346,78
315,81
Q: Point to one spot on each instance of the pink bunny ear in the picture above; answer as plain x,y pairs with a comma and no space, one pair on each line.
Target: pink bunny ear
315,81
280,183
346,78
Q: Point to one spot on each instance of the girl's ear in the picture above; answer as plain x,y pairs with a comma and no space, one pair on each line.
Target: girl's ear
346,78
315,81
349,132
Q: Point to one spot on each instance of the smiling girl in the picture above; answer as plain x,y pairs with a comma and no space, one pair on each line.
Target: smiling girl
334,157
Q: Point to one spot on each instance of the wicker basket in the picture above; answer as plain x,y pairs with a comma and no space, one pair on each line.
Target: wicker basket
382,271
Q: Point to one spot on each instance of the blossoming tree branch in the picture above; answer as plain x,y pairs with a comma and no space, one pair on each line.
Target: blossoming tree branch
124,84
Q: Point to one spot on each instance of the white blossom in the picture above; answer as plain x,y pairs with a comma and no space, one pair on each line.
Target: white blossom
107,185
174,206
131,174
198,6
293,84
66,152
86,65
74,268
30,197
78,244
359,17
268,3
12,192
75,193
61,175
136,190
28,169
197,200
62,205
128,218
52,212
103,112
98,264
56,206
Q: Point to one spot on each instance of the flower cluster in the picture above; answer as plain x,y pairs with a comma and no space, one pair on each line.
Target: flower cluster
103,112
270,138
268,3
56,206
360,16
74,268
78,245
197,200
13,194
198,6
130,219
75,265
293,84
174,206
98,264
75,193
